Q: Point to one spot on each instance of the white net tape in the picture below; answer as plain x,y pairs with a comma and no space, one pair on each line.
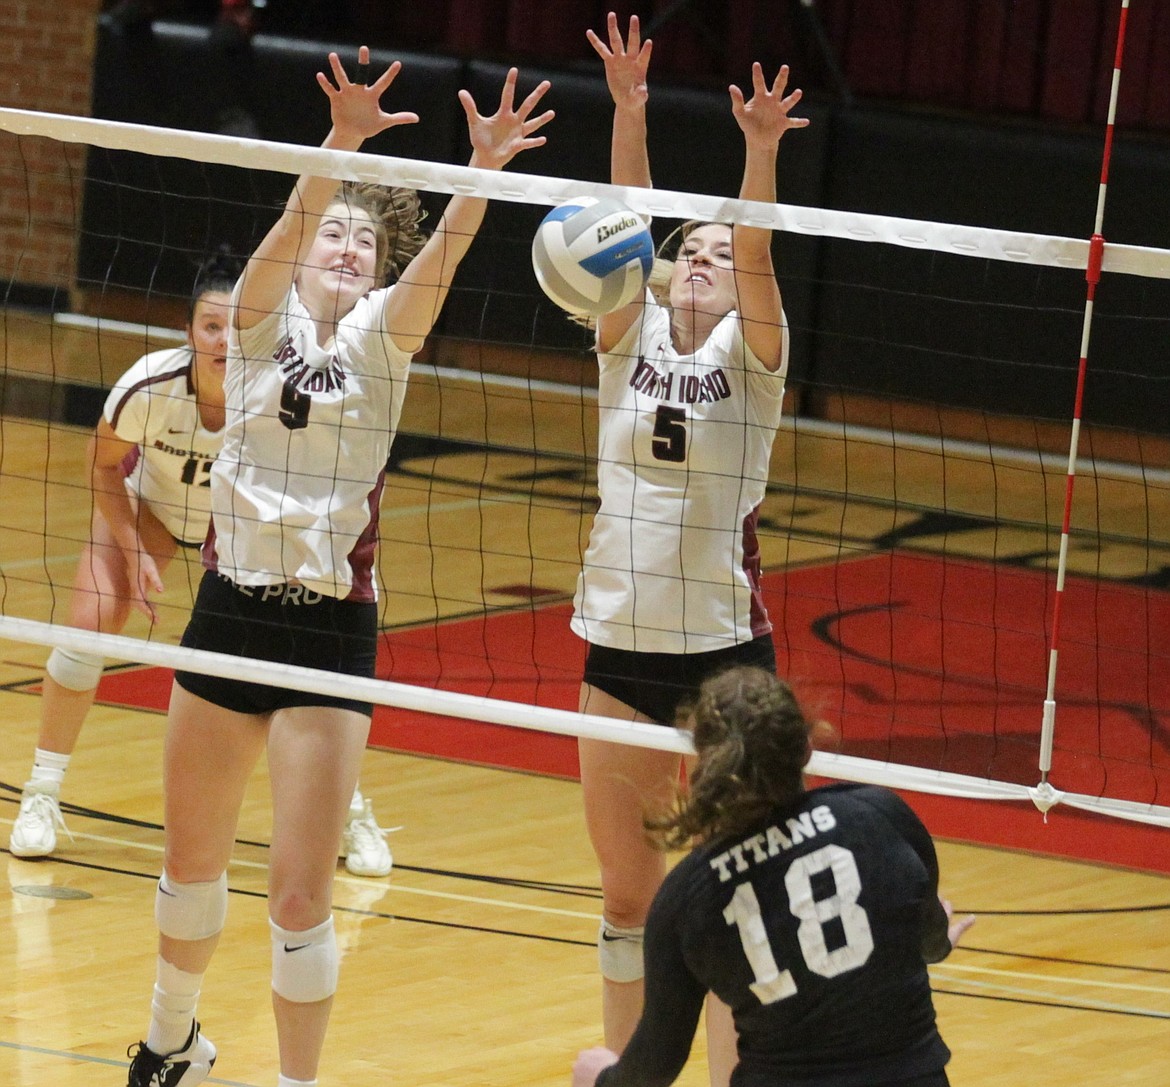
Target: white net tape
544,719
1004,245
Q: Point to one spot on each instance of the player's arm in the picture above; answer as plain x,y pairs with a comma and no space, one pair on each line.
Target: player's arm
939,932
105,454
414,304
934,920
674,997
626,65
763,120
356,115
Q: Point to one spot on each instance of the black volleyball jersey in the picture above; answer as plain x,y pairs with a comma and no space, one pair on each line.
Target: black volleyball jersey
815,929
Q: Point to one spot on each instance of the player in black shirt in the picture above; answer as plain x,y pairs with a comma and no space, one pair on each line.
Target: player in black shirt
811,913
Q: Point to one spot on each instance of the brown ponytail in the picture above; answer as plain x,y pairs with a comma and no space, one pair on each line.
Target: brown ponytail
753,741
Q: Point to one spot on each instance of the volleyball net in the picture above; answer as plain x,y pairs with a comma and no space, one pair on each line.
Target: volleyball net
918,528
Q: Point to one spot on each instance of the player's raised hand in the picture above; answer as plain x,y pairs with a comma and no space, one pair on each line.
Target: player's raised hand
497,139
355,105
626,63
766,116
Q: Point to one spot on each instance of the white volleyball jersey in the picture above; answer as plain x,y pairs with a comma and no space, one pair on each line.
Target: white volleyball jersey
153,405
295,490
673,562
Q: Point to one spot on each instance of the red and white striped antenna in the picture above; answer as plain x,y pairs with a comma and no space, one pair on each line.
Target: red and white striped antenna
1044,795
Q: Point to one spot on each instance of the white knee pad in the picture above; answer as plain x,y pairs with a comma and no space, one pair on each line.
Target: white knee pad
305,964
619,951
75,671
191,911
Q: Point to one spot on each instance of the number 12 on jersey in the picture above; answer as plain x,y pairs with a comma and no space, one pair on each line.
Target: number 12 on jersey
771,983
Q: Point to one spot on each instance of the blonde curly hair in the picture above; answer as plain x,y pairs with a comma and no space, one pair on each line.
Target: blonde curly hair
397,216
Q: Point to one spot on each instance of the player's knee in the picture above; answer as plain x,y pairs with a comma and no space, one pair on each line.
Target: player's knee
191,911
619,952
305,963
74,670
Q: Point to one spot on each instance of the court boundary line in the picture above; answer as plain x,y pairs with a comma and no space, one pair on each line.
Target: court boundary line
108,1062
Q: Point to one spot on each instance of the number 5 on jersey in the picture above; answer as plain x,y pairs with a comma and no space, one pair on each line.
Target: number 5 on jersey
294,407
670,434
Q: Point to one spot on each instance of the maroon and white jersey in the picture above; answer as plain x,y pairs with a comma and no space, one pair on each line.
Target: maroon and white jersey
673,563
153,405
296,488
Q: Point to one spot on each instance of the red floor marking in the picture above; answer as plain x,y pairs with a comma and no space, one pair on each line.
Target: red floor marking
865,648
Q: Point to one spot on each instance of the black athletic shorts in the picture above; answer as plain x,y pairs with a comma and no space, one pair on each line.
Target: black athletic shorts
285,623
655,684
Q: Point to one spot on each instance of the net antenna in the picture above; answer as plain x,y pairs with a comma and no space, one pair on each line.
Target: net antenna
1045,795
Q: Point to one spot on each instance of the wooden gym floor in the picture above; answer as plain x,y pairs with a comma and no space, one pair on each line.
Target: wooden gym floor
474,962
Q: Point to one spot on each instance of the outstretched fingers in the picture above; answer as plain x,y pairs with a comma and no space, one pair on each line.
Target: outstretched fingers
531,124
634,38
778,84
382,83
626,62
768,111
617,47
498,138
341,81
508,94
356,103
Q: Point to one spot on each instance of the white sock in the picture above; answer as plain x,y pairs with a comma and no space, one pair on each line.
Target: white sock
172,1009
358,803
283,1081
49,768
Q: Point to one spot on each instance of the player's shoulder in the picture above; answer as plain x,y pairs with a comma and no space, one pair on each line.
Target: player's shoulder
366,325
363,316
648,332
858,797
876,817
165,374
167,362
688,880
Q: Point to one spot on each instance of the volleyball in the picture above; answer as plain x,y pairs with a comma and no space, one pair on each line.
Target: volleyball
592,255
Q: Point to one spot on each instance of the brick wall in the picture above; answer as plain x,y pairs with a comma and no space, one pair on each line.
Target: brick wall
46,64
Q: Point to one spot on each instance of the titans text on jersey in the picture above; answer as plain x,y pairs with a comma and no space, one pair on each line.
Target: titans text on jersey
772,841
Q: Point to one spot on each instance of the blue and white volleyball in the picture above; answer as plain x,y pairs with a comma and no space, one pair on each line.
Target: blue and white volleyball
592,255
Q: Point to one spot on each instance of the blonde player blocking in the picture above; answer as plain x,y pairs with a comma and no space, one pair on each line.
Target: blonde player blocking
318,359
149,464
690,393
